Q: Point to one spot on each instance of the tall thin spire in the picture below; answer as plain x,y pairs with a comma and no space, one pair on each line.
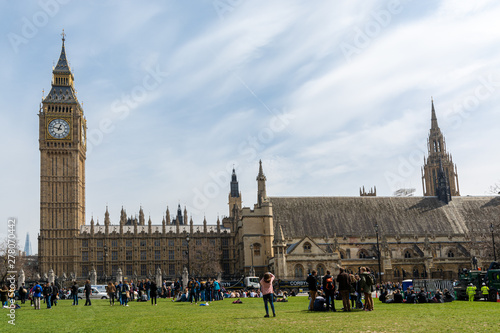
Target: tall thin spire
235,193
438,160
434,121
261,185
62,66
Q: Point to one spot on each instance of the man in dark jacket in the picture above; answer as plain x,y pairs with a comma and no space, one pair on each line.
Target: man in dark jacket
329,290
344,288
422,296
88,290
313,288
74,293
47,293
22,293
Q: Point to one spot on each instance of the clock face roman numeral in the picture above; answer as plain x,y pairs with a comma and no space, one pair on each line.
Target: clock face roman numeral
58,128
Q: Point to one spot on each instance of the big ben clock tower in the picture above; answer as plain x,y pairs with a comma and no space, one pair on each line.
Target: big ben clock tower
62,140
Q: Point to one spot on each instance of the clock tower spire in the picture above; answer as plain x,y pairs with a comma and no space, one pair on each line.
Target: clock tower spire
62,144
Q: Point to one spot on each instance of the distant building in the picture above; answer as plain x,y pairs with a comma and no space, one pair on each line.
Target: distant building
27,245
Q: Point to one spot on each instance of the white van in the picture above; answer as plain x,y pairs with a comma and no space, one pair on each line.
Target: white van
95,294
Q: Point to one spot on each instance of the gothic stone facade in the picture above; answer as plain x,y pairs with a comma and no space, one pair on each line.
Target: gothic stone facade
430,236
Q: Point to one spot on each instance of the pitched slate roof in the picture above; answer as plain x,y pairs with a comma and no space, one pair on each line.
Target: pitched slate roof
357,216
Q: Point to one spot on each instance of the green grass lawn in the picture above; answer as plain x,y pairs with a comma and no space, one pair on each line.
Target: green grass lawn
223,316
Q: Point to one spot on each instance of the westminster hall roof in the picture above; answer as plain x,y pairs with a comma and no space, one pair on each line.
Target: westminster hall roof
357,216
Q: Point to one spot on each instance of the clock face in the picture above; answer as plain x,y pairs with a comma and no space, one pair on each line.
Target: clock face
59,128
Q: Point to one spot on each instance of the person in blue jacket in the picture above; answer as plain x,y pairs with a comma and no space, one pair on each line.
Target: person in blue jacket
37,293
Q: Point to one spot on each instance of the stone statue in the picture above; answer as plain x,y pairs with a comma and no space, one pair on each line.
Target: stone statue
185,277
21,279
158,277
119,275
93,276
52,276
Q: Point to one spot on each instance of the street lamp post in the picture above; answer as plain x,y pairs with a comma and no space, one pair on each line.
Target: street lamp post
187,240
378,255
105,257
493,241
252,270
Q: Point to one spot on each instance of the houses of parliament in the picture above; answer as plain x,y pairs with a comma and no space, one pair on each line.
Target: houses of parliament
433,236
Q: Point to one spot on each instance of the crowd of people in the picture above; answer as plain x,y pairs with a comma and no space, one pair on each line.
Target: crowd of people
351,288
354,289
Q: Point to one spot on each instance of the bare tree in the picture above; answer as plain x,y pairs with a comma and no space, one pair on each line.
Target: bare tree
495,188
206,262
481,239
9,251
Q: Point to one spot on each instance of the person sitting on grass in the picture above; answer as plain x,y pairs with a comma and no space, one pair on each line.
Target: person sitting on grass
398,298
412,298
383,295
438,297
422,296
447,297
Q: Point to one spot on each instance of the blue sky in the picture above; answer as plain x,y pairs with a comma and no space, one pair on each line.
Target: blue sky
330,95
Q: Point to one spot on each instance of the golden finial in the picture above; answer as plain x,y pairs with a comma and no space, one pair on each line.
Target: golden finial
63,36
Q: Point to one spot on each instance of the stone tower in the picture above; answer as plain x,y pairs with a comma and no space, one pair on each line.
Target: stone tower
234,199
62,144
261,186
437,158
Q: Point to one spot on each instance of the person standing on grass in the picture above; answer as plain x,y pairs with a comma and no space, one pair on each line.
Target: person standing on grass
471,291
47,293
329,290
366,288
88,290
147,288
37,293
216,290
266,287
125,293
312,281
153,292
55,294
208,291
22,293
344,288
485,291
74,293
111,290
4,298
118,287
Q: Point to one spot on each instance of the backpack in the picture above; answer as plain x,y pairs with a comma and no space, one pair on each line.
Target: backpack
329,283
369,279
37,289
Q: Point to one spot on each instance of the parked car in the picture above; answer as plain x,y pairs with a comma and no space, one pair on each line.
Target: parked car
95,294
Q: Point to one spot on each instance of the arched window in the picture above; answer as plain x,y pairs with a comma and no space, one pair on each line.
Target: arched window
256,250
299,271
396,272
342,254
362,254
407,254
321,270
451,254
307,247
